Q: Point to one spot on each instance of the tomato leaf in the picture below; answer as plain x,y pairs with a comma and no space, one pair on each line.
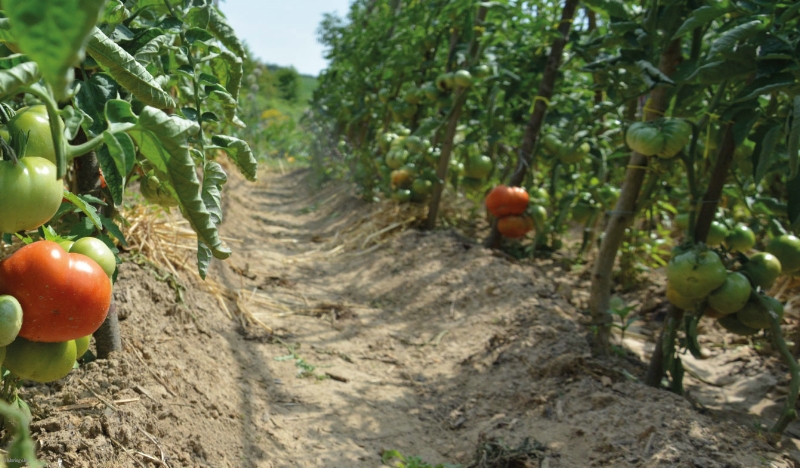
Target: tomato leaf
72,121
728,40
765,85
91,100
240,153
116,159
86,208
14,78
52,33
691,321
614,8
214,178
224,33
162,139
228,70
127,71
115,12
793,143
115,231
767,152
793,202
154,48
699,17
218,93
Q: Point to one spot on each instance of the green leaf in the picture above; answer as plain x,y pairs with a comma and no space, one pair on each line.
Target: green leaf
204,256
22,448
218,93
728,40
72,121
117,157
52,33
700,17
127,71
5,31
90,211
765,85
793,202
214,178
651,75
154,48
13,79
163,140
228,70
91,101
240,153
793,143
223,31
767,153
115,12
614,8
114,230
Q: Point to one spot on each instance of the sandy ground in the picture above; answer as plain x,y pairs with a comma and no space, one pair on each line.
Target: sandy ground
425,343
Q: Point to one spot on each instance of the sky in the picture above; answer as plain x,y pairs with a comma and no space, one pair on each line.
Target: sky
283,32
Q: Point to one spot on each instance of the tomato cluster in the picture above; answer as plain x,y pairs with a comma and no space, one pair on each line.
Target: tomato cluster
698,279
515,215
52,301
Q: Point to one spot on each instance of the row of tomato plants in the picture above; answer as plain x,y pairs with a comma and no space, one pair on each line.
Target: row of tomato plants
97,97
629,120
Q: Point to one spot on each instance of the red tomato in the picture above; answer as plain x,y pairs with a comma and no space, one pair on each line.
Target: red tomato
515,226
63,296
504,201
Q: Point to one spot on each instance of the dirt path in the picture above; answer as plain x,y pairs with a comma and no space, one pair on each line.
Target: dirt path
424,343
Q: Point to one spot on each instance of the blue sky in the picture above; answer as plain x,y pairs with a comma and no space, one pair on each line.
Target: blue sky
283,32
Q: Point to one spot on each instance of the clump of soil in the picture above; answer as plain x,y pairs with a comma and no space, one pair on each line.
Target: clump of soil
421,342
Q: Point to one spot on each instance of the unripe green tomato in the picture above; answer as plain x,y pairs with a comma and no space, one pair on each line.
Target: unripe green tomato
98,251
10,319
716,234
740,239
34,122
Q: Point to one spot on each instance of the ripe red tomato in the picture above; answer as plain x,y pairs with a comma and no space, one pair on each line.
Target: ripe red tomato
515,226
505,201
63,296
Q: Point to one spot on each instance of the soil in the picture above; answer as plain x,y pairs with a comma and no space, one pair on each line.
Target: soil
339,340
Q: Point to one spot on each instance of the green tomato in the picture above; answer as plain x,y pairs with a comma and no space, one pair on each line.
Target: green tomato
763,269
696,273
574,155
396,157
716,234
552,145
732,296
539,215
10,319
415,144
680,301
98,251
40,362
478,167
734,325
462,79
153,192
740,239
30,193
82,345
787,249
35,122
402,195
756,313
663,137
420,189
